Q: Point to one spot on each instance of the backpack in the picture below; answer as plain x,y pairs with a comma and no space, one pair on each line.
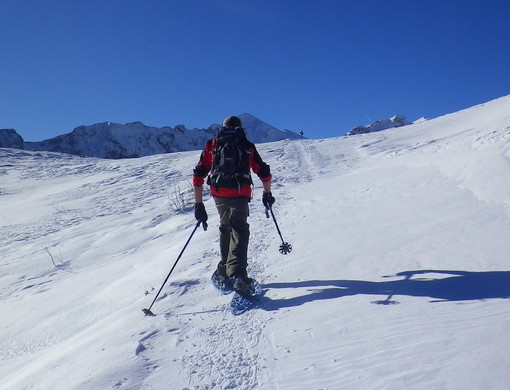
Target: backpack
231,160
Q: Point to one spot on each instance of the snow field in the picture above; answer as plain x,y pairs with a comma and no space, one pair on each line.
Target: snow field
398,276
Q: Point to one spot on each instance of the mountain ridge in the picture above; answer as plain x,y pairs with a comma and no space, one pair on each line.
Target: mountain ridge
135,139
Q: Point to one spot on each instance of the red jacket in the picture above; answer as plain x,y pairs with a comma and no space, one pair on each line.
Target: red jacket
259,167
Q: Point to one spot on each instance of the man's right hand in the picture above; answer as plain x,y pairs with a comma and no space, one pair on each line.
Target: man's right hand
200,213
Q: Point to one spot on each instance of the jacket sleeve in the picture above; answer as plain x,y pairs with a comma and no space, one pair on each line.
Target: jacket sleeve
261,169
204,165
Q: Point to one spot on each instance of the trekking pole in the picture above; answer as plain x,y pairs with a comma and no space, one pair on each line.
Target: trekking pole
285,247
148,311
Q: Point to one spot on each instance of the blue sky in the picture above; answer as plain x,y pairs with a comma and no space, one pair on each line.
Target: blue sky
319,66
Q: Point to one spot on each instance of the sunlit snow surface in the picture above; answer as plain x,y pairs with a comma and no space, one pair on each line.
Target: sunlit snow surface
399,276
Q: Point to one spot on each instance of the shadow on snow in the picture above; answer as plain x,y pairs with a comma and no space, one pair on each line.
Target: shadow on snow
440,285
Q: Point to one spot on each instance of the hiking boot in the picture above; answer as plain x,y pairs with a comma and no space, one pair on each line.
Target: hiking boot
243,286
221,282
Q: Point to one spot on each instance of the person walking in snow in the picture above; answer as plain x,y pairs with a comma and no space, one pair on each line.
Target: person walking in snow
227,160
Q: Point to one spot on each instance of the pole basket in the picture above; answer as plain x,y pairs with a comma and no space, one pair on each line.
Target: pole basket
148,312
285,248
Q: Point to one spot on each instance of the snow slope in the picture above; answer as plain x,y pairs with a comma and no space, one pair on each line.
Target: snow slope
398,278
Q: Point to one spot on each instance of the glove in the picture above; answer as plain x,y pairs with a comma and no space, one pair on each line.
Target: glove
200,213
267,199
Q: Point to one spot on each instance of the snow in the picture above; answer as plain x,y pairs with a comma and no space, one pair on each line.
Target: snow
398,278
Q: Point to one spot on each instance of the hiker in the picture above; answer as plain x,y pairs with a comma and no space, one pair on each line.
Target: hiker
228,159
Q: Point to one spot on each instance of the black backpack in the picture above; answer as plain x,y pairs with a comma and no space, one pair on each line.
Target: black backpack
231,160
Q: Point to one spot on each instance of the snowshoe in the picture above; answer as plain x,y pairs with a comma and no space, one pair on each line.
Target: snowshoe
242,303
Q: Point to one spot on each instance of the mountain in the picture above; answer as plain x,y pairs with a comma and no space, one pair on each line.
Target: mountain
383,124
113,140
9,138
262,132
398,278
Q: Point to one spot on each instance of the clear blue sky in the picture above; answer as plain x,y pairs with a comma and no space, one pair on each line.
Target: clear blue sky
320,66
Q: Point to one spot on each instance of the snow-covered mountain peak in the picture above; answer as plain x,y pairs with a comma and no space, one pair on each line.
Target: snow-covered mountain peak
380,125
261,131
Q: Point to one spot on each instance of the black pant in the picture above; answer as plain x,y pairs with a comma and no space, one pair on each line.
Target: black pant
234,235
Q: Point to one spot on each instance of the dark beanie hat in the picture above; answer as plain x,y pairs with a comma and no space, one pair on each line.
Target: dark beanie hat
232,121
